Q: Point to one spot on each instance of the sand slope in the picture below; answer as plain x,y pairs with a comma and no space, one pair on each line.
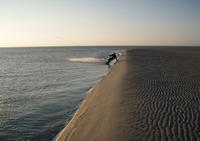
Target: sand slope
98,118
151,94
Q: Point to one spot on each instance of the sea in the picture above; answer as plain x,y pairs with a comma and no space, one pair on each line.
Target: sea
41,88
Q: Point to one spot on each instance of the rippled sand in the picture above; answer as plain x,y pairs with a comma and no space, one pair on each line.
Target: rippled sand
151,94
163,97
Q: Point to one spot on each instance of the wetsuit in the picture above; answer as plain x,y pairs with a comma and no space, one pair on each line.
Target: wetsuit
111,57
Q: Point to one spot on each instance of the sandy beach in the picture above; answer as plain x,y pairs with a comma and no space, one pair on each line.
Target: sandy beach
150,94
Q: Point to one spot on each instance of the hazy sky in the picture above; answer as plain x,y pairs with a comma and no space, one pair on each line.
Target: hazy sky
99,22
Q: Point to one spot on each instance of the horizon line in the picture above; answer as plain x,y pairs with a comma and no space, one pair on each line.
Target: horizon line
100,46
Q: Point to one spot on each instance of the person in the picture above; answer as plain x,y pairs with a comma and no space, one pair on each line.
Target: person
111,57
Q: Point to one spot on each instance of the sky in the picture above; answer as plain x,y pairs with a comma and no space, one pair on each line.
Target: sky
99,22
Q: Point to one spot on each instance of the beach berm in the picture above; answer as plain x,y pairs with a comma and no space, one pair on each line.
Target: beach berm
150,94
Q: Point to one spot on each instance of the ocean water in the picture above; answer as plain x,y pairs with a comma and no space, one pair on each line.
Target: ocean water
41,88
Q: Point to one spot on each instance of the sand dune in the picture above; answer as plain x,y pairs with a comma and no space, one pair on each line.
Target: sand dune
150,94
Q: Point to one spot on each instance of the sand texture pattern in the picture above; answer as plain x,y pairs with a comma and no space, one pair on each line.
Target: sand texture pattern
150,95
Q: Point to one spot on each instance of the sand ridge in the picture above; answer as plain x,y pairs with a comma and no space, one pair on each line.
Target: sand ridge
98,116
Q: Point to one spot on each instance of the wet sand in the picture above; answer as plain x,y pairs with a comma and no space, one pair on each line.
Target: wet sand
151,94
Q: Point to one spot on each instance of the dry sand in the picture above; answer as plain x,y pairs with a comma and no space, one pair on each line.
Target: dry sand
151,94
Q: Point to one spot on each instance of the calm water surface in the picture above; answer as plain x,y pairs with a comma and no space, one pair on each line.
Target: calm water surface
40,88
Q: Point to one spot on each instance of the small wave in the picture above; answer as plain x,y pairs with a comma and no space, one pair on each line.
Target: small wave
86,59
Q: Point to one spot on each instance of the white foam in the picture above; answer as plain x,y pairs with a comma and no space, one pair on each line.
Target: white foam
85,59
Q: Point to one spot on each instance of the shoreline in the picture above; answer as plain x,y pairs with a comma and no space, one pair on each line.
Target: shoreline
68,131
151,94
